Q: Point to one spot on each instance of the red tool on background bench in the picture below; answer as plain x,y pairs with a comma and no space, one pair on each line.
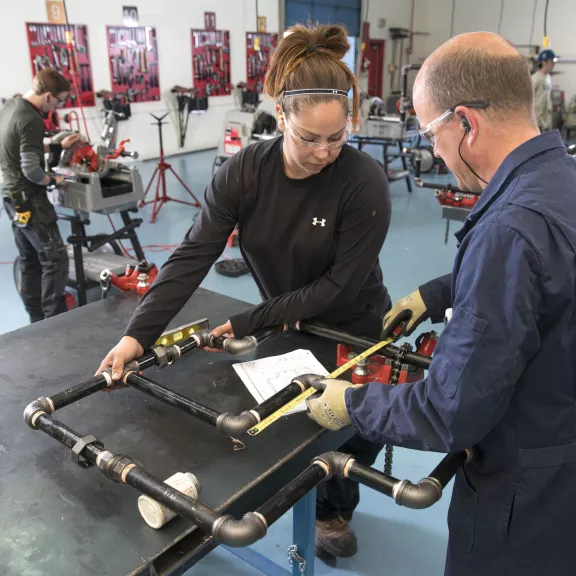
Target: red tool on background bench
138,278
457,199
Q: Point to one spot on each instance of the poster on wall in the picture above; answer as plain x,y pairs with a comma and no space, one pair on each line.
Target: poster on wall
133,55
48,49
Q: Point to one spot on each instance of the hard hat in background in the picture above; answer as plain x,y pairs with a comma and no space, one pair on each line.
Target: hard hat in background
546,55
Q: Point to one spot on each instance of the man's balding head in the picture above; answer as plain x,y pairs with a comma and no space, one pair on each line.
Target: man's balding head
478,66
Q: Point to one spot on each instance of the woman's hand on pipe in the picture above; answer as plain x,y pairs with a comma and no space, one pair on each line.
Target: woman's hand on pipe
126,350
223,330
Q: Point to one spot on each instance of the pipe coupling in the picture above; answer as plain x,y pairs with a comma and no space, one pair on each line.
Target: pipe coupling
116,467
166,355
202,338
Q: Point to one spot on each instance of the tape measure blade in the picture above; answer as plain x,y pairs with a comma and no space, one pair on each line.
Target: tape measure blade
311,391
281,411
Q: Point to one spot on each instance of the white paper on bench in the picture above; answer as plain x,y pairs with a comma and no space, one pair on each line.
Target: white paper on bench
266,376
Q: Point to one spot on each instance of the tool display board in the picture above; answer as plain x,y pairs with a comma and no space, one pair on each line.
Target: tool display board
48,49
259,47
133,54
211,62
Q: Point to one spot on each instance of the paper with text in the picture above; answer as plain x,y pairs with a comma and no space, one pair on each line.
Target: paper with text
266,376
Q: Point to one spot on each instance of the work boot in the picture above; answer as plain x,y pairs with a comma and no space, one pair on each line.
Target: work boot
335,537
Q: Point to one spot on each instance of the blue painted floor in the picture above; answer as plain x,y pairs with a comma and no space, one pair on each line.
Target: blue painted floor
392,540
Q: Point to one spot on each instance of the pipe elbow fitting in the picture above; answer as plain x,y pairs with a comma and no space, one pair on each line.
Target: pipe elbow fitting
417,496
240,346
35,408
333,463
231,425
239,533
306,380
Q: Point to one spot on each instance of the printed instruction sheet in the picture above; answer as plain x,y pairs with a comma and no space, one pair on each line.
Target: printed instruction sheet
266,376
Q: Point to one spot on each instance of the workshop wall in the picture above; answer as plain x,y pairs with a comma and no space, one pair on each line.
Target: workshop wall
396,14
173,20
515,26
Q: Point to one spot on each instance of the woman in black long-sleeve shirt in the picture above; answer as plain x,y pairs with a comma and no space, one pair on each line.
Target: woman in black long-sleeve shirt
312,215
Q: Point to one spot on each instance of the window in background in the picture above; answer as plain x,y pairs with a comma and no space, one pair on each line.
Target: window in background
346,12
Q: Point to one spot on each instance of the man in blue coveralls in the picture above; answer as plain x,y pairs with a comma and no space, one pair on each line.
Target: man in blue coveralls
503,377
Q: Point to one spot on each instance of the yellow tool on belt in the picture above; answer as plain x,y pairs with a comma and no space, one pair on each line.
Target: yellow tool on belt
311,391
22,218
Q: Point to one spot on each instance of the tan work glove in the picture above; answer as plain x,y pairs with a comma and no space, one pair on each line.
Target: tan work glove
409,310
329,409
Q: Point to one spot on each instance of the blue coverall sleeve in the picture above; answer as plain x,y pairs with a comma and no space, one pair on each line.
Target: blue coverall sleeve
480,355
437,295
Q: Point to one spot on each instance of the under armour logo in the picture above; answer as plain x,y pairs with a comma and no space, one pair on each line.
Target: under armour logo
321,222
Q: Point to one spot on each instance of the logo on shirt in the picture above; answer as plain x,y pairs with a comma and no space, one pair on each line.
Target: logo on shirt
321,222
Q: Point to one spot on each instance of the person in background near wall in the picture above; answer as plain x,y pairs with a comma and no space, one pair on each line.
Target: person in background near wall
43,257
542,82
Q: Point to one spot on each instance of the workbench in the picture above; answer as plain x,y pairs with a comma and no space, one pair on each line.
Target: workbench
56,518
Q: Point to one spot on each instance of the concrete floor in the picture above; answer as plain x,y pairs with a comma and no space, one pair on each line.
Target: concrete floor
392,540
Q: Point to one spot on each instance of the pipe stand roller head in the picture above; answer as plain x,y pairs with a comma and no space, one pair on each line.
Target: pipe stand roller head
156,515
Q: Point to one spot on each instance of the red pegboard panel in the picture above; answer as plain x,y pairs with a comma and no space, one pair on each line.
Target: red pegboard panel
48,49
211,62
133,56
259,47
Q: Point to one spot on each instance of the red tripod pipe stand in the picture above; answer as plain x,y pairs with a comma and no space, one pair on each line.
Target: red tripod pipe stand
161,197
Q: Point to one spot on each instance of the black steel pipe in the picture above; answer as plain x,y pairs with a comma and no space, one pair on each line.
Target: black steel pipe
283,500
232,425
67,436
449,465
278,400
147,361
253,525
372,478
71,395
187,345
391,351
172,398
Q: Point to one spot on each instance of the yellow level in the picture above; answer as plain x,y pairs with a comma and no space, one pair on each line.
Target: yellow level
182,332
307,393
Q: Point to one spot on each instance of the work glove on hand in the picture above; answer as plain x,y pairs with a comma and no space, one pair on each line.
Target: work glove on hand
411,310
329,408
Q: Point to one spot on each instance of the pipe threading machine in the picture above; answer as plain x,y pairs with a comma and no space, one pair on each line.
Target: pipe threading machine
87,451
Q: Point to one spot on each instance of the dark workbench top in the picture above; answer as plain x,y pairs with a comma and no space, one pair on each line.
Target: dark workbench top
57,519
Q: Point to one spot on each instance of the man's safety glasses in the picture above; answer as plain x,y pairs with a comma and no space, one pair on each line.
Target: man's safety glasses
427,132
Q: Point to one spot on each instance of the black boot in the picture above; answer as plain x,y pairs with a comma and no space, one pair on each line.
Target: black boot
335,537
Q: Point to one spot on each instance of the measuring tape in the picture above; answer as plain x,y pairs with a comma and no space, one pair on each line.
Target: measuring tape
311,391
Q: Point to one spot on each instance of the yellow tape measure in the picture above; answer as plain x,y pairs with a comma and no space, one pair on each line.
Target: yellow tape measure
311,391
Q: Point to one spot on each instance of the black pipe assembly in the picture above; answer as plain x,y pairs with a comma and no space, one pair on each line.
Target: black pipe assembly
87,451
